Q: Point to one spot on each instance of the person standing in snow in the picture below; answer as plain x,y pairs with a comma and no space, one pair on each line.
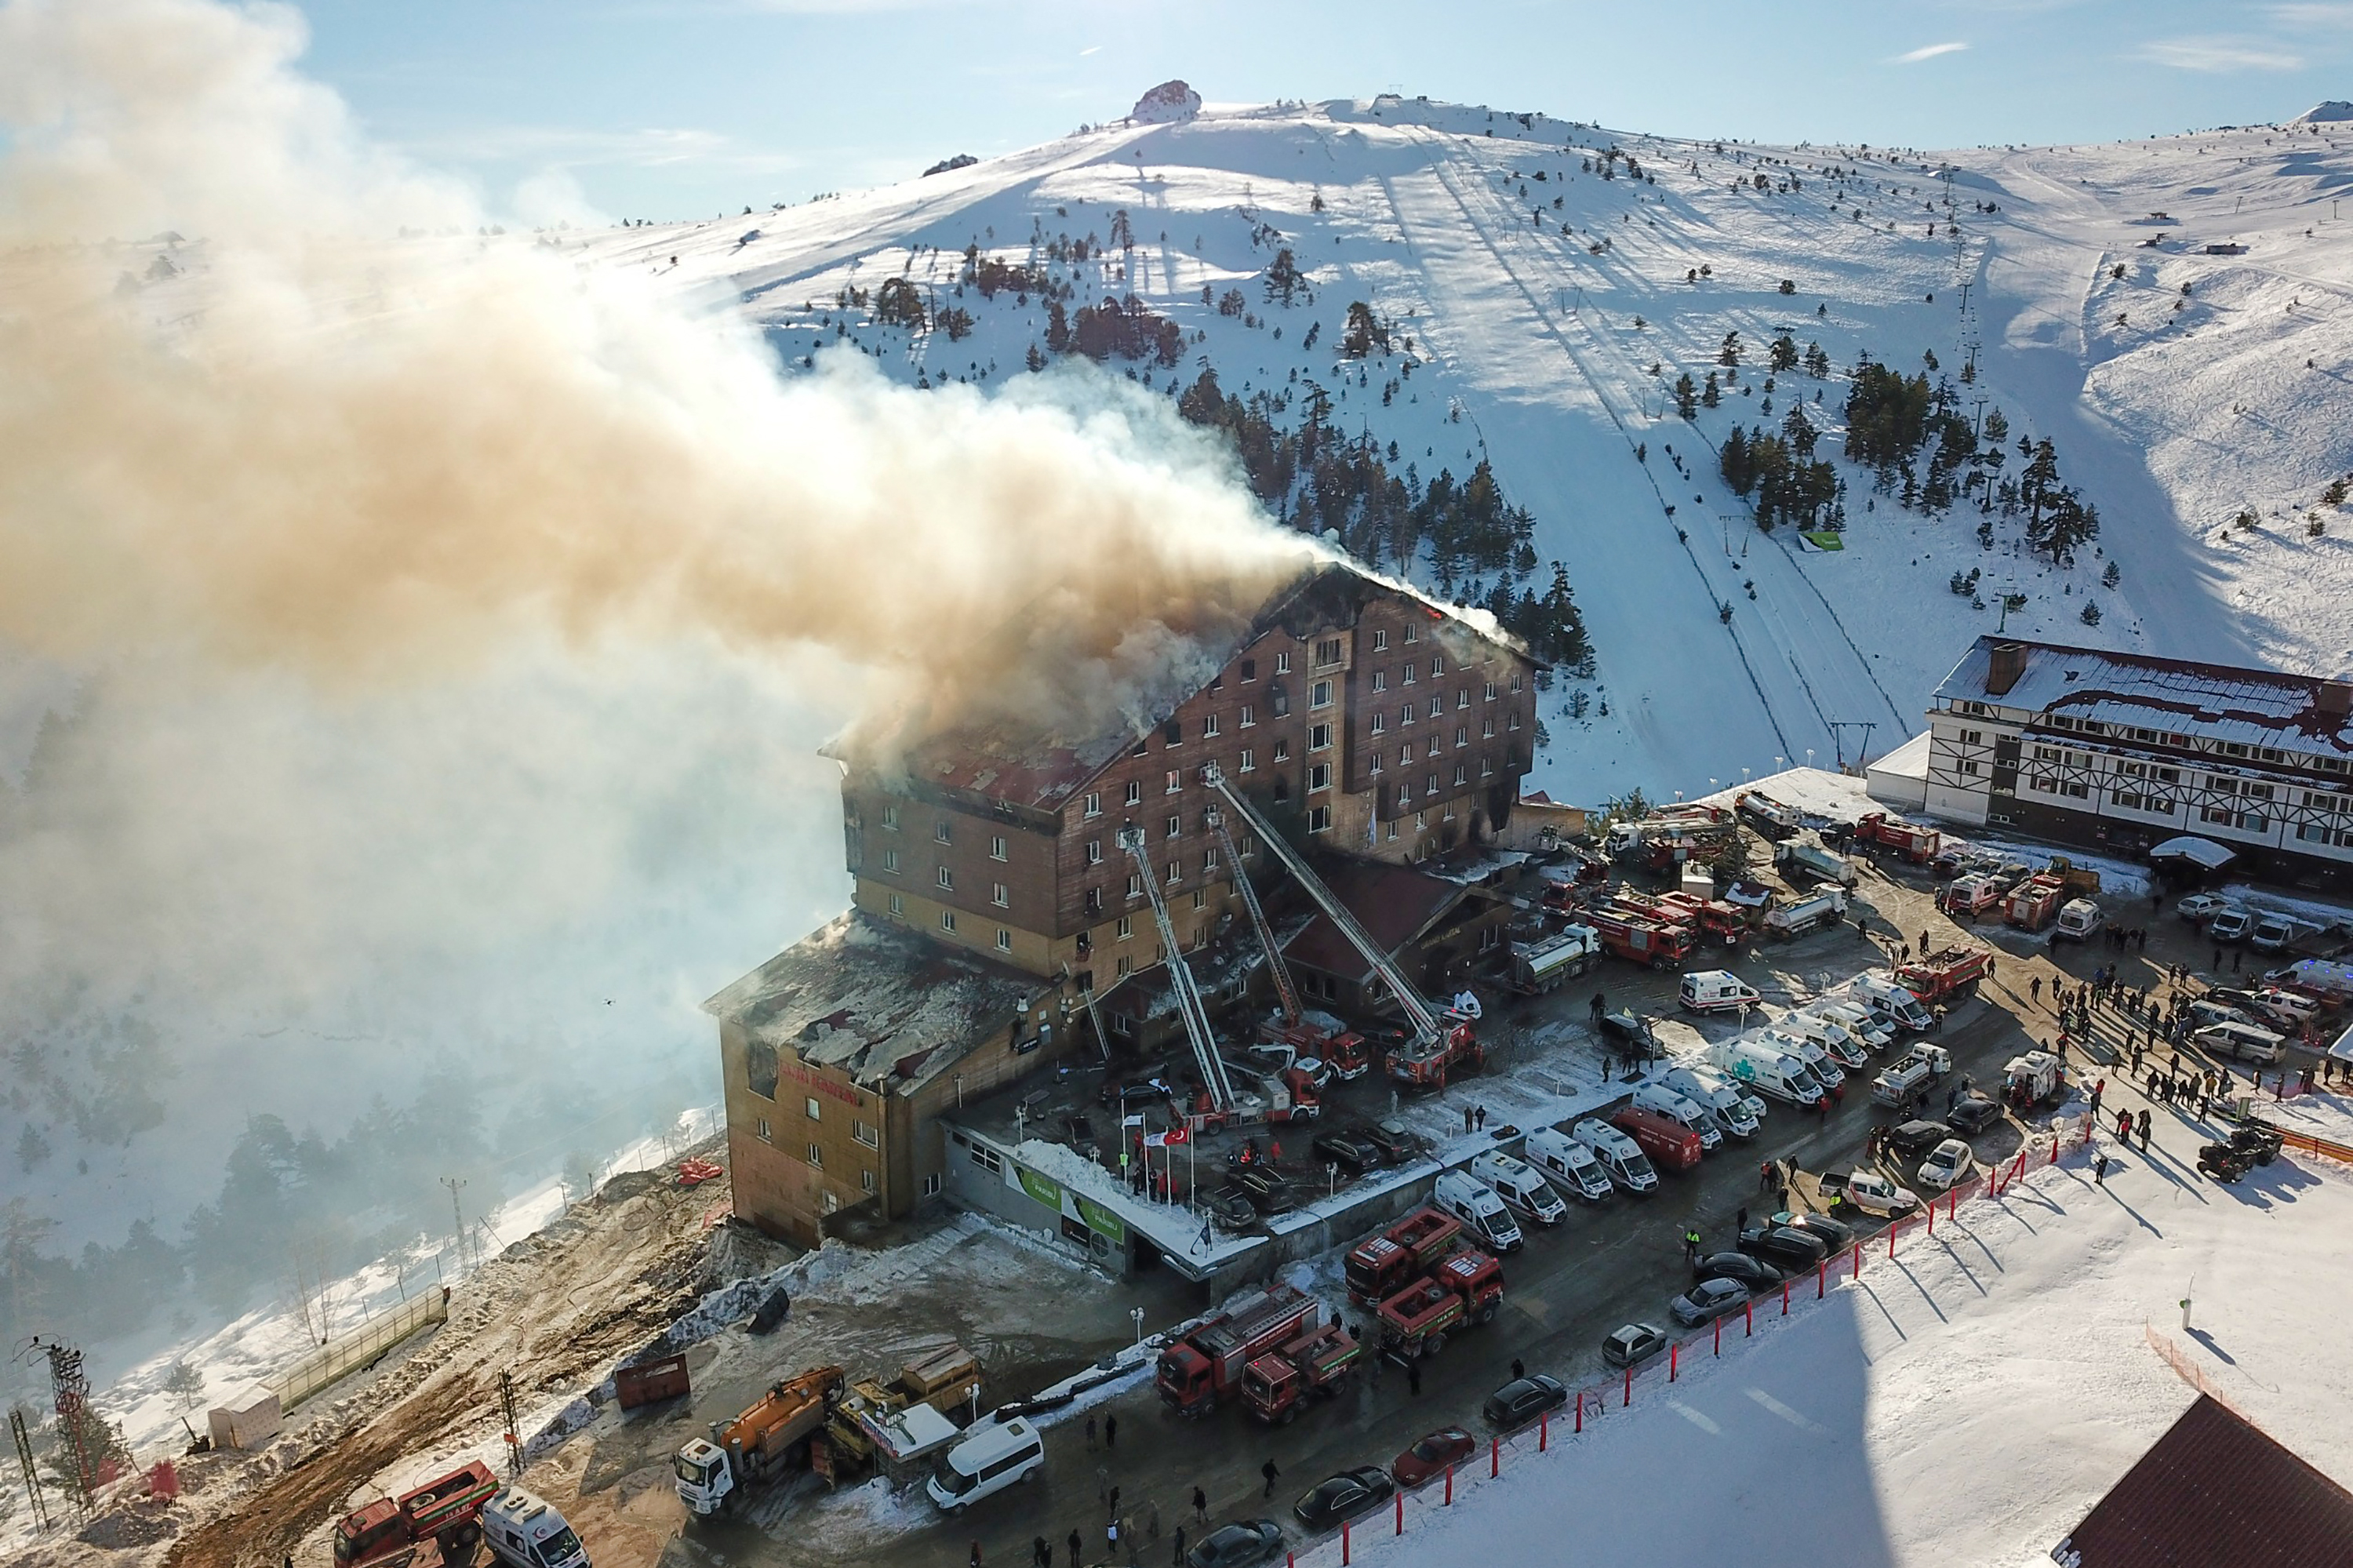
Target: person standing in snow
2100,1171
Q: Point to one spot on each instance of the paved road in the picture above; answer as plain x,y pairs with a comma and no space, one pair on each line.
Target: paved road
1607,1265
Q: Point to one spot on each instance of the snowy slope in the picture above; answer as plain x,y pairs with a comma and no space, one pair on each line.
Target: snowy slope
1528,351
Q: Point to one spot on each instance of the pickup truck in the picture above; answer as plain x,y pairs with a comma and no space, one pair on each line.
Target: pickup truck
1871,1193
1920,1065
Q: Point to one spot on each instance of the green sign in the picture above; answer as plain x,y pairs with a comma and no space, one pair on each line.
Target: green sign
1825,541
1044,1188
1101,1220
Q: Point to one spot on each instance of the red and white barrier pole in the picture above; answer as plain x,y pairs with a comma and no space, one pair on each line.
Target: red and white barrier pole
1630,1389
1821,1276
1580,1426
1719,1336
1858,1260
1674,1351
1748,1318
1785,1297
1494,1460
1344,1541
1400,1514
1544,1431
1953,1205
1932,1216
1892,1226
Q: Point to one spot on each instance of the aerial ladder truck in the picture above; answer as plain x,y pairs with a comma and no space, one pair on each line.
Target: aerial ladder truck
1345,1051
1434,1043
1189,1006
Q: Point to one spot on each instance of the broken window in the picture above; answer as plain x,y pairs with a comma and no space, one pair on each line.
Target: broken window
1328,651
1250,669
1173,733
1278,699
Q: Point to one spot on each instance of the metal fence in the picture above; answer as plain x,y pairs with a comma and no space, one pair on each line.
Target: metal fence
362,1347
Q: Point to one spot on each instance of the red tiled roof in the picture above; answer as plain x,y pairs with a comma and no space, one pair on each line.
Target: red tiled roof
1394,905
2215,1489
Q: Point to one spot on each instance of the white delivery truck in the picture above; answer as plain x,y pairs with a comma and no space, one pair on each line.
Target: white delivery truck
993,1459
1716,991
1620,1155
1568,1163
1682,1111
1520,1187
1475,1203
1768,1067
1734,1112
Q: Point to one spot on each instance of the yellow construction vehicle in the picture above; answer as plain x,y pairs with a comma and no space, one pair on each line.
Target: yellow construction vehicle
899,1423
760,1444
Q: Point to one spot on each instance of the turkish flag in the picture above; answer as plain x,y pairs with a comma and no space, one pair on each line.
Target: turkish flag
1178,1135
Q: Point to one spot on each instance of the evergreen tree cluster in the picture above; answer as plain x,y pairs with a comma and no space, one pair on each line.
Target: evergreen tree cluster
1790,483
1126,327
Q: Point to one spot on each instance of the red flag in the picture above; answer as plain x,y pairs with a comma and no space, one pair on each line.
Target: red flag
1179,1135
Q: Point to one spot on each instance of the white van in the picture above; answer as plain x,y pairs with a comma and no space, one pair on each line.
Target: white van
1618,1155
1770,1066
1889,1000
2247,1042
1519,1185
1682,1111
991,1460
1734,1112
1475,1202
1800,1043
1839,1043
1568,1163
1716,991
2078,919
1856,1020
525,1531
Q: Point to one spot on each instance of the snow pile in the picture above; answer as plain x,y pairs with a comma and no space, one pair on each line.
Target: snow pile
2328,109
1170,103
733,1303
1967,1402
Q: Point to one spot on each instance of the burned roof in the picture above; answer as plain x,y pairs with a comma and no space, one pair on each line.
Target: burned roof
2215,1488
1041,770
880,1003
1393,903
2306,715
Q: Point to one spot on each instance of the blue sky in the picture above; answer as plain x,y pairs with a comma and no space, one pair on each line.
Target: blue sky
657,109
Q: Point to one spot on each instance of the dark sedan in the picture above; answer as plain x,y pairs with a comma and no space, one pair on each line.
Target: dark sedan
1915,1139
1752,1272
1709,1298
1343,1496
1784,1246
1524,1399
1973,1113
1350,1150
1427,1460
1836,1236
1237,1546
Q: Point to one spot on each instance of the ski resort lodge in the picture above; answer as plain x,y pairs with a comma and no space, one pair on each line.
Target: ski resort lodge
2123,752
1000,880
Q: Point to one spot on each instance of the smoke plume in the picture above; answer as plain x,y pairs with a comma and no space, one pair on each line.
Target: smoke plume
440,622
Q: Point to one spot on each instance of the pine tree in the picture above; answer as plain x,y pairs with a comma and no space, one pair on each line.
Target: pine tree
1284,280
1729,354
1710,395
1687,396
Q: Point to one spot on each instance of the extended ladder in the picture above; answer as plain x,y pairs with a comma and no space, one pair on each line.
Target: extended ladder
1180,978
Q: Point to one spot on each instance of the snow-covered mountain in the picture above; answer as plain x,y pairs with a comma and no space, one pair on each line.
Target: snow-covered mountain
2171,314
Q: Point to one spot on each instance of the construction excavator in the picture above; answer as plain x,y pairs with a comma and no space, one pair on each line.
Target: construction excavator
767,1440
1434,1042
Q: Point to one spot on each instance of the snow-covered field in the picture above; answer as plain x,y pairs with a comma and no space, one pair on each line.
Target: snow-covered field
1967,1402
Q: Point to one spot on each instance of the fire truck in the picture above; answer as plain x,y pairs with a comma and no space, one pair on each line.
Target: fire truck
1466,1288
1945,973
1208,1365
1434,1043
440,1522
1378,1266
1278,1384
1916,843
2033,903
1638,940
1727,922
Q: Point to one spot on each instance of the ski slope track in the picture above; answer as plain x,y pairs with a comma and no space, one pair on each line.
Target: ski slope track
1546,319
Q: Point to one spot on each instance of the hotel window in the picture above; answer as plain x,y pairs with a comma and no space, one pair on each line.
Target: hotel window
898,905
815,1112
1405,796
1513,722
891,819
997,846
1319,777
1249,763
1000,896
1319,696
1004,940
942,832
1173,733
1437,667
947,920
766,1135
1328,651
866,1180
1209,727
1435,744
1412,632
1409,673
1176,782
1176,871
817,1157
1462,734
1462,774
1282,663
988,1160
1319,738
1462,699
1121,966
1319,818
865,1134
1209,863
1095,805
932,1185
1437,706
1515,682
1282,751
1491,690
1250,669
1175,827
1373,763
1405,757
1429,787
1093,903
945,877
1135,890
1201,901
1380,724
1486,769
1249,717
1094,851
1380,680
1487,727
1972,737
1135,791
890,860
1405,713
1127,927
1380,641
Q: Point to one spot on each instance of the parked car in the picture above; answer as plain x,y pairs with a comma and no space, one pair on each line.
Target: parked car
1350,1150
1232,1208
2246,1041
1238,1545
2213,1009
1785,1247
1396,1144
2200,908
1949,1164
1343,1496
1914,1139
1834,1234
1430,1456
1524,1399
2286,1009
1707,1299
1630,1033
1633,1344
2230,924
1973,1113
1268,1193
1135,1094
1752,1272
2272,933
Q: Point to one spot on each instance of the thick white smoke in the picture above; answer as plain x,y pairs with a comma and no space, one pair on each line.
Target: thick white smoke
449,625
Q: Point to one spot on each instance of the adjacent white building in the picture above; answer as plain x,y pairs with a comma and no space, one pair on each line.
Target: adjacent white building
2120,752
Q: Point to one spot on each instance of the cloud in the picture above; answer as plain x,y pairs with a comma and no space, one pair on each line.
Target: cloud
1927,52
2217,54
2312,13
